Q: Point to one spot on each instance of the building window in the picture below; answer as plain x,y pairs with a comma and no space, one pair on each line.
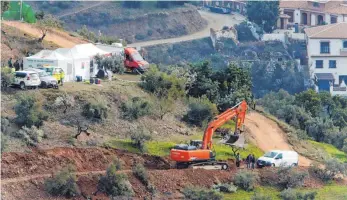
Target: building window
324,47
332,63
319,63
345,44
316,4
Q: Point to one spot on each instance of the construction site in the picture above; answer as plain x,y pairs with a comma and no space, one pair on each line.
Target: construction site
112,119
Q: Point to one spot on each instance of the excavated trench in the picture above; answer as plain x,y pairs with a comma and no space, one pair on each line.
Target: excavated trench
19,164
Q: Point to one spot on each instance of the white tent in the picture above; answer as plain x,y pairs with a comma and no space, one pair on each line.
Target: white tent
50,58
82,56
75,61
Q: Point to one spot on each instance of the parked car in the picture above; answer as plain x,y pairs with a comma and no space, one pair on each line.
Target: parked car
46,80
277,158
26,79
56,72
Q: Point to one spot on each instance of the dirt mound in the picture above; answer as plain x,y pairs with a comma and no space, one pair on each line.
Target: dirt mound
267,135
16,164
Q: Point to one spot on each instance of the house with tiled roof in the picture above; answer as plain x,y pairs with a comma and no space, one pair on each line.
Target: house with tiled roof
327,57
312,13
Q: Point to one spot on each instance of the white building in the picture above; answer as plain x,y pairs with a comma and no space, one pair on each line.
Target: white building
327,57
312,13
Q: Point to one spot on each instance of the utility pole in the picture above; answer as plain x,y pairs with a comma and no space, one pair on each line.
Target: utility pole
21,7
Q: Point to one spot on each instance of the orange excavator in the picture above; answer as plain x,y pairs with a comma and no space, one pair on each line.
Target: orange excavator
201,153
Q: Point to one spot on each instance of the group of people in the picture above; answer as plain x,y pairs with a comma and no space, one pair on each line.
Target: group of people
17,65
250,161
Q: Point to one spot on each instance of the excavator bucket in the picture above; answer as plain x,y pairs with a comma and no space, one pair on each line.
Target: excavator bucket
234,140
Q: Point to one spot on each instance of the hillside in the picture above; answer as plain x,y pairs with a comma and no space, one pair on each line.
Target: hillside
25,168
131,24
16,43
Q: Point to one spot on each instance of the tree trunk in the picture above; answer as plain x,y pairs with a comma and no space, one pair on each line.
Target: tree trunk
42,37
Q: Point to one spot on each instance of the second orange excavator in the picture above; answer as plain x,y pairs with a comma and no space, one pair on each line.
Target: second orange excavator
201,153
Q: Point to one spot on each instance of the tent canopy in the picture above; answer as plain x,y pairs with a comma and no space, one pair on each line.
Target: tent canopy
86,50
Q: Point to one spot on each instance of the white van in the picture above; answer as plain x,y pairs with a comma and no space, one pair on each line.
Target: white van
277,158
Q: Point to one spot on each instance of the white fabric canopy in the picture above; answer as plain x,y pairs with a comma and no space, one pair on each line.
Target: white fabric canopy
75,61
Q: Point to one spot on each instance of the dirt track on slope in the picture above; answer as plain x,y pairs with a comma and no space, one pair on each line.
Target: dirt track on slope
60,38
214,20
267,135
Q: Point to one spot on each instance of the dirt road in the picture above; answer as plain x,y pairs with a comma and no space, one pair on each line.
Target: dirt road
267,135
63,39
215,21
83,9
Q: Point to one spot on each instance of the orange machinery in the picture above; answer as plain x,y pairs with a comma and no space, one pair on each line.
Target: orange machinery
200,153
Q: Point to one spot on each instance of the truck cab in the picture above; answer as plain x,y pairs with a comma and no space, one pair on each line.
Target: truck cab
134,62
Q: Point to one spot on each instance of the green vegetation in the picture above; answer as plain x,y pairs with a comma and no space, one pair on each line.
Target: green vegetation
290,194
316,115
331,150
7,77
246,180
225,87
114,183
140,172
135,108
63,183
96,109
162,148
326,192
200,111
162,84
29,110
139,137
113,63
31,136
224,152
263,13
201,194
332,169
226,188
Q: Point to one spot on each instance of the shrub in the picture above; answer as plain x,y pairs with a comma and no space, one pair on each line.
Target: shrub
332,168
258,196
227,188
29,111
31,136
201,194
3,142
140,37
118,163
140,172
115,184
200,111
290,194
139,137
135,108
6,77
95,109
245,180
163,84
63,183
5,123
64,101
289,177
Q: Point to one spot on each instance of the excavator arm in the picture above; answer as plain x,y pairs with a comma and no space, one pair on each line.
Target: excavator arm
238,111
199,153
